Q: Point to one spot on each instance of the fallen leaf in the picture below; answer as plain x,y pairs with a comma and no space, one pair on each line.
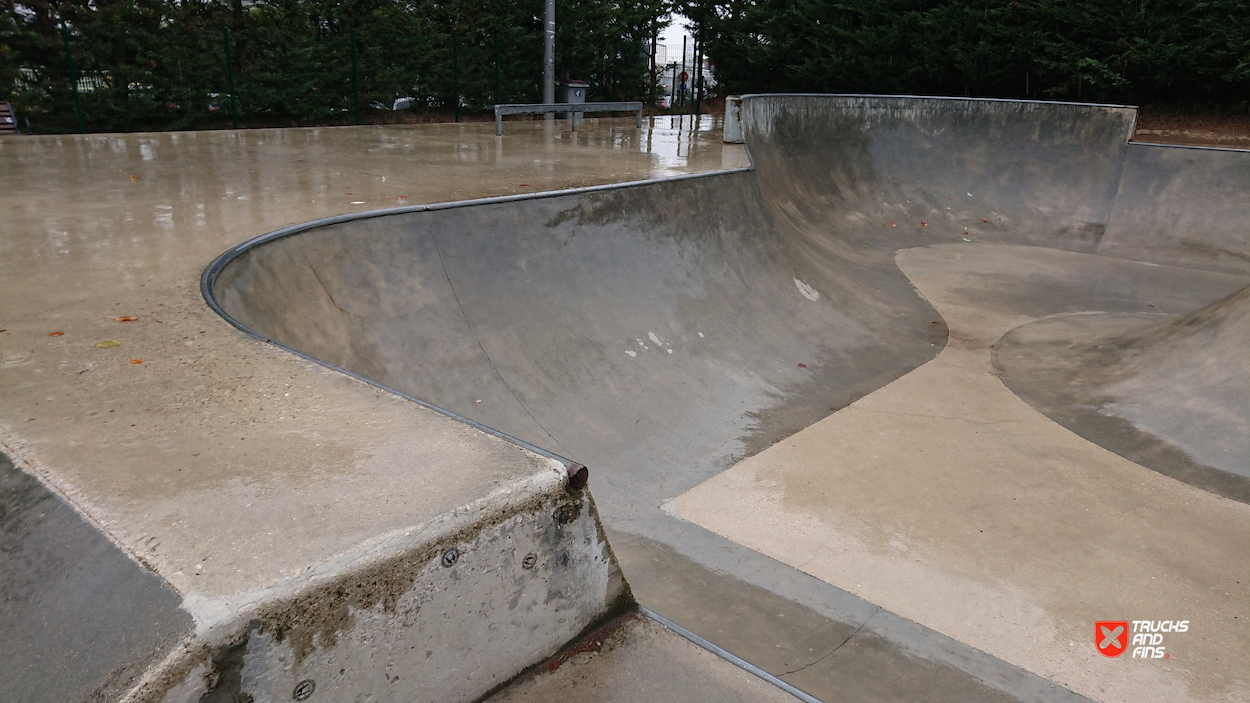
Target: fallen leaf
136,361
133,177
55,334
525,185
125,318
924,223
478,400
106,344
1149,305
403,197
802,366
892,224
984,220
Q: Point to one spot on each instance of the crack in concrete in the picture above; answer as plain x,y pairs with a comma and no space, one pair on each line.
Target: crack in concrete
840,644
443,263
327,292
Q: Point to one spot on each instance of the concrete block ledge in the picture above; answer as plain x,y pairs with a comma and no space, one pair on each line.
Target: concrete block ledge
444,611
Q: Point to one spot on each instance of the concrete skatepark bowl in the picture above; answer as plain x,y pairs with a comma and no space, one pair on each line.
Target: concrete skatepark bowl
898,412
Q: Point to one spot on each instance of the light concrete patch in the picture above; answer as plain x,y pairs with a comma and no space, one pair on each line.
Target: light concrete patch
946,499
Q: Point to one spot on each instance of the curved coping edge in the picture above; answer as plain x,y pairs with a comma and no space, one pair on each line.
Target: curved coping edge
931,97
1132,130
994,100
209,277
1193,146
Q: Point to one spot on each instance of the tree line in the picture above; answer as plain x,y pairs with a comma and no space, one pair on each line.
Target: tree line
163,64
168,64
1140,51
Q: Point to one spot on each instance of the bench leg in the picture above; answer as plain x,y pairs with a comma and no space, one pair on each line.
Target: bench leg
573,115
498,125
638,124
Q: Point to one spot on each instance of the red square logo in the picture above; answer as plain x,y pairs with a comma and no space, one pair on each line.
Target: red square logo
1111,637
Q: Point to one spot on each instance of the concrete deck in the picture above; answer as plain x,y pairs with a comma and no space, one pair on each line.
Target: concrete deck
234,471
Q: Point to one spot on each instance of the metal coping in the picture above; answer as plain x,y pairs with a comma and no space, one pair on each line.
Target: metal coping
877,96
929,97
1194,146
209,277
729,656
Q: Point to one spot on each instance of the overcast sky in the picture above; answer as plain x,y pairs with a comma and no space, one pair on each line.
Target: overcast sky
671,37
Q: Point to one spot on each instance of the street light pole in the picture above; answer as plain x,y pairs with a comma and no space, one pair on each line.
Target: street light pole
549,56
684,75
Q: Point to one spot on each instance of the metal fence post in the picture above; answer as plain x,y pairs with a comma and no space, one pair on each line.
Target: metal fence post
234,103
672,98
455,71
355,76
682,102
73,78
698,72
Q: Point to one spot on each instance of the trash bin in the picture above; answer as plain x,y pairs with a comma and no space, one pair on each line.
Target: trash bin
733,120
573,91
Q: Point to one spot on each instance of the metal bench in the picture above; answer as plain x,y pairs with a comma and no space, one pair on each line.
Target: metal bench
574,109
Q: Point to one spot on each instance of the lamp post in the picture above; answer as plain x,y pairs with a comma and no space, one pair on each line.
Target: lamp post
549,56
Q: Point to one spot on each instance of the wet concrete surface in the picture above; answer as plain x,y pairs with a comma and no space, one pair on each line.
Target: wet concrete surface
945,498
658,360
827,658
79,618
870,466
642,661
225,465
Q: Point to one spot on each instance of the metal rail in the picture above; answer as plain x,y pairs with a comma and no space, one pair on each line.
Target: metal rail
574,109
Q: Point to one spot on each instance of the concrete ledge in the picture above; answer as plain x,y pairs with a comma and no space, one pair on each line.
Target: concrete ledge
445,611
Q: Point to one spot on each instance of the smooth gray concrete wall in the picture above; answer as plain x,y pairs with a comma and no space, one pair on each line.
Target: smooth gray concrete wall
868,170
1169,392
632,330
1185,206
